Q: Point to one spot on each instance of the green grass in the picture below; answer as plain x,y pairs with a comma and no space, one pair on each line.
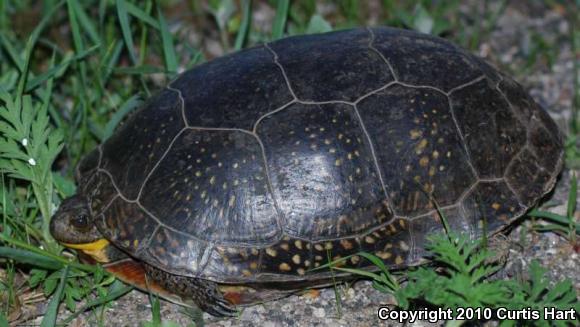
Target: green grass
70,77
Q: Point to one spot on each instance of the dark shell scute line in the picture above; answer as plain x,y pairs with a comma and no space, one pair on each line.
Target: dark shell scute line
176,252
419,147
87,166
233,263
490,206
425,60
322,171
213,185
544,145
127,224
290,256
129,169
392,243
492,132
527,179
345,66
233,91
102,191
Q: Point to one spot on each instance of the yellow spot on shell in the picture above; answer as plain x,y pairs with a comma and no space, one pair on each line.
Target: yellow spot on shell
284,246
421,146
253,265
424,161
346,244
296,259
271,252
369,240
246,273
298,244
318,247
384,255
415,134
300,271
398,260
432,171
285,267
495,206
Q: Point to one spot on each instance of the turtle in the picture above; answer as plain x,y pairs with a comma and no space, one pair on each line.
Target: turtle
241,179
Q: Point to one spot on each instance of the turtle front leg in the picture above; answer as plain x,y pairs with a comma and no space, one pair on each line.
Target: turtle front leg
203,293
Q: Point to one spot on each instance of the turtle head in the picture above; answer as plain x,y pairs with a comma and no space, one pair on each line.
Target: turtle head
73,226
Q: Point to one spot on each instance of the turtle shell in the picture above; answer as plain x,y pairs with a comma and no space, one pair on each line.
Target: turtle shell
264,164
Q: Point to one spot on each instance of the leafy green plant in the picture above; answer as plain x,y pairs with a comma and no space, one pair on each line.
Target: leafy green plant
460,280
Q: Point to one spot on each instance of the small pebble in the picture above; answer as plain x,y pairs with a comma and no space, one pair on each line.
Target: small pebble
319,312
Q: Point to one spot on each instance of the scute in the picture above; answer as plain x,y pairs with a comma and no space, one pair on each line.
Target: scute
322,171
176,252
233,91
127,224
346,68
419,149
425,60
493,134
132,152
528,180
393,243
490,206
101,191
213,185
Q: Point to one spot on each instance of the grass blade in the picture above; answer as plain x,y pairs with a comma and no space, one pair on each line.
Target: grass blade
35,82
31,43
244,26
126,29
52,309
280,19
36,250
12,54
550,216
139,70
168,48
140,14
572,198
30,258
85,22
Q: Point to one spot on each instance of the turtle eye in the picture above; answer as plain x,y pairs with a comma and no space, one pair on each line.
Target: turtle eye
80,221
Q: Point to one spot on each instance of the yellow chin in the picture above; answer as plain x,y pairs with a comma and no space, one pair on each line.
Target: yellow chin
95,249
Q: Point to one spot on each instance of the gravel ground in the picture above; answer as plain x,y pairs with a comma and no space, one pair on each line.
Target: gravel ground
553,89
